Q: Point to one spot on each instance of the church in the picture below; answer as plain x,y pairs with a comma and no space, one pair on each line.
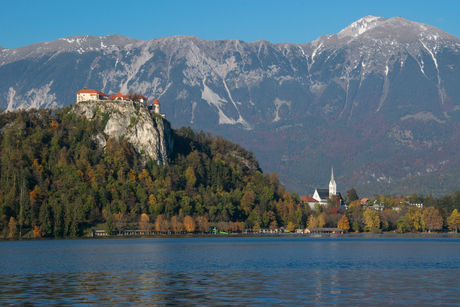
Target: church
321,195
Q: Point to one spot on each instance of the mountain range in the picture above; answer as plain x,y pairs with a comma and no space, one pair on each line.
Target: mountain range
379,101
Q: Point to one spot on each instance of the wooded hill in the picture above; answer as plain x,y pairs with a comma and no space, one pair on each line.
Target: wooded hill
56,180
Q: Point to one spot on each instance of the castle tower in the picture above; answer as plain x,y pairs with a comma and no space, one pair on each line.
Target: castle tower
156,106
332,184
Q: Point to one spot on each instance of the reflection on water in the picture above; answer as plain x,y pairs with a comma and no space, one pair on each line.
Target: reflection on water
231,271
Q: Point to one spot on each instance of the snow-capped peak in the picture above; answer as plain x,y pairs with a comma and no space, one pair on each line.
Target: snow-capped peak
360,26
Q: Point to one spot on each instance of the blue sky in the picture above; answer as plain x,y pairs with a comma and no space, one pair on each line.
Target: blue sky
27,22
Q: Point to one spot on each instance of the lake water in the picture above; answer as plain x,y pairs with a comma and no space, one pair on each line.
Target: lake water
216,271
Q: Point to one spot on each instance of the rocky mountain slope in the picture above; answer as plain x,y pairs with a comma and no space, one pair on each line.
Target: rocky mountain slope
379,100
149,133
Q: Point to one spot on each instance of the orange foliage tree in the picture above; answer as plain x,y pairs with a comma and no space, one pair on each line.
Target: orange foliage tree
38,232
189,224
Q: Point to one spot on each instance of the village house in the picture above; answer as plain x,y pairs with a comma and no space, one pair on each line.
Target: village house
310,201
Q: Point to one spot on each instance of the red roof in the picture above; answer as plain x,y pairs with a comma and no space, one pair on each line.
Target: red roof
156,101
90,91
118,95
308,199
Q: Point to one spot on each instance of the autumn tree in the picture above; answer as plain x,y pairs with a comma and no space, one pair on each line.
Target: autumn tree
416,219
202,224
321,221
344,223
190,176
38,232
189,224
432,218
312,222
120,220
372,219
144,224
236,226
247,202
176,225
411,221
12,228
453,221
161,224
290,227
274,225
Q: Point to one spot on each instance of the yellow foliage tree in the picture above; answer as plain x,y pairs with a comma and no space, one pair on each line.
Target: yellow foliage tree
321,220
190,176
132,175
415,218
152,199
453,221
344,223
312,222
290,227
371,219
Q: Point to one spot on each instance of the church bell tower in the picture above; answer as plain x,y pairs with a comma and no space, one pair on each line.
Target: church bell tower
332,184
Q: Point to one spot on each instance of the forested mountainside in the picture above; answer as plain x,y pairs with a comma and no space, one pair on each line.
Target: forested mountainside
56,175
57,180
379,100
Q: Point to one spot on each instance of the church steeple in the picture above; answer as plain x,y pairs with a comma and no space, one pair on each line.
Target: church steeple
332,184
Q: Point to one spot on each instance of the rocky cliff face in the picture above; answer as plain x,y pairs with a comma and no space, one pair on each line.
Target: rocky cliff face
149,133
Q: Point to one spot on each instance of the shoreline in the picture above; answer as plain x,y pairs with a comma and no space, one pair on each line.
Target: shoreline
239,235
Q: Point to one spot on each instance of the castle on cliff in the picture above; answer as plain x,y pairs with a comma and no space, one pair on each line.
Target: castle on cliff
86,94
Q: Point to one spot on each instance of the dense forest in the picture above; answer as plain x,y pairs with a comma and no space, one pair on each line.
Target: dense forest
56,181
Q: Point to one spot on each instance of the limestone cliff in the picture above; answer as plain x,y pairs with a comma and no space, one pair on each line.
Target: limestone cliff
150,134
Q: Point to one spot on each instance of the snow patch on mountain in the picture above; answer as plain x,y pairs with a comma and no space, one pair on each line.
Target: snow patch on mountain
360,26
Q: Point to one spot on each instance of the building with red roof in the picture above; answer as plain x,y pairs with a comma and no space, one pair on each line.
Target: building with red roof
86,94
308,199
118,96
155,107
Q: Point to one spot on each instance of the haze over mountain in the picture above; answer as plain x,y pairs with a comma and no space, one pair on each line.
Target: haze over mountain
379,100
